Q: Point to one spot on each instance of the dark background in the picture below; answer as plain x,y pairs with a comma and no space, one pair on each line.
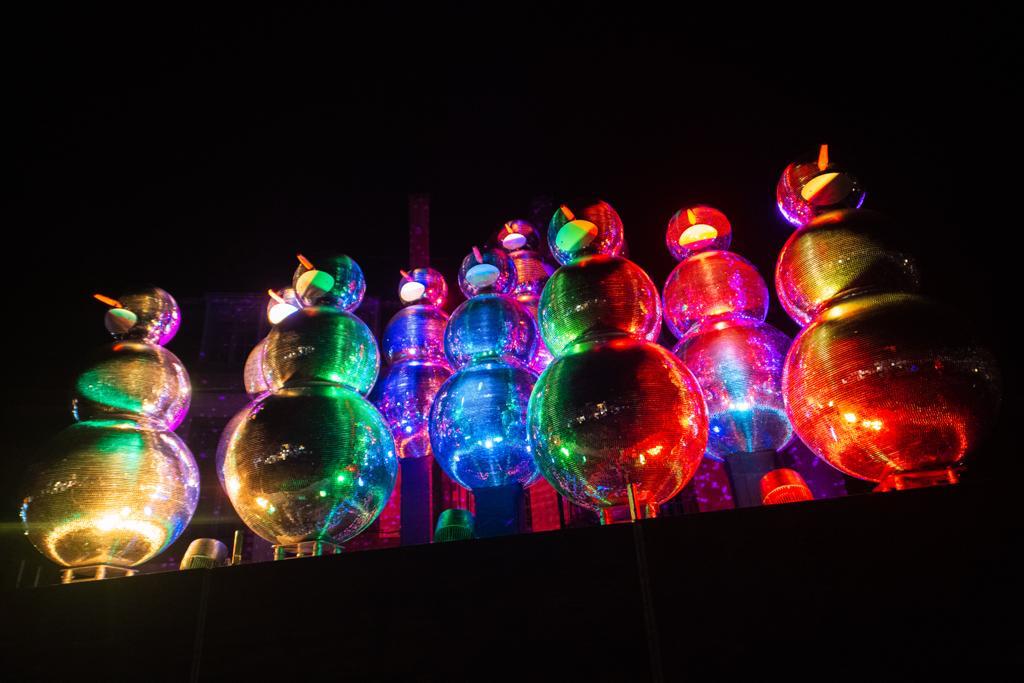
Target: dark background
200,152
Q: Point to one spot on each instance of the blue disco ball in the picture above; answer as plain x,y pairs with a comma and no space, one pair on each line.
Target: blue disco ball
404,398
478,426
415,333
491,326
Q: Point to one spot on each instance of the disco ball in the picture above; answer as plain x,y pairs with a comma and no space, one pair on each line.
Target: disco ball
349,283
133,380
838,254
423,286
490,326
585,228
253,375
405,396
816,185
157,315
487,271
518,235
309,464
595,295
713,283
110,492
738,363
532,271
617,412
883,383
478,426
697,228
415,333
321,344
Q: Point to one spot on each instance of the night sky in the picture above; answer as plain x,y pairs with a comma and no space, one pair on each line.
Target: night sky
200,153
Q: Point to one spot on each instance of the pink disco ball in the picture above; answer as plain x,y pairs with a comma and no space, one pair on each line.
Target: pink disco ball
713,283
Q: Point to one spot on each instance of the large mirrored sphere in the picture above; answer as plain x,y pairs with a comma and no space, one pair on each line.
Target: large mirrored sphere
542,357
478,426
157,315
885,383
493,272
110,492
423,286
713,283
133,380
806,189
532,272
491,326
585,228
597,295
738,363
320,344
309,463
405,396
697,228
415,333
839,254
349,282
618,412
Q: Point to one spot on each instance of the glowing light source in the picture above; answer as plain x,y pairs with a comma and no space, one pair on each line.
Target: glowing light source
108,300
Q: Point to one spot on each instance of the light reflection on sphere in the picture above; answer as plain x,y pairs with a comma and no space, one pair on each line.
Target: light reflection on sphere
415,333
432,289
616,412
585,228
110,492
490,326
157,315
133,380
493,260
542,356
738,363
320,344
349,282
839,254
276,311
884,383
309,463
405,396
253,375
713,283
518,235
598,294
478,426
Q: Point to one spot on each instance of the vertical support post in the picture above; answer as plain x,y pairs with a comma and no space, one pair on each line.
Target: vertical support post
499,510
745,471
416,501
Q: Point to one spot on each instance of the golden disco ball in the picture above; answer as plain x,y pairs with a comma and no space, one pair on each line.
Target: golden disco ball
110,492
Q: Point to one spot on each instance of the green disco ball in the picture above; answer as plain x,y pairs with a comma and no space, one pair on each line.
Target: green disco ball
308,464
617,412
321,345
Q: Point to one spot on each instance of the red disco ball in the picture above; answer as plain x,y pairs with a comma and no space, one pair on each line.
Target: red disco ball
884,384
713,283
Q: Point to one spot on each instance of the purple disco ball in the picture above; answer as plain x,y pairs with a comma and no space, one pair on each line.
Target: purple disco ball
406,395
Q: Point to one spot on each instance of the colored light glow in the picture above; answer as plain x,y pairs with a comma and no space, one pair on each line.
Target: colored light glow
279,312
149,535
576,234
306,263
107,300
826,188
513,240
119,320
314,283
477,255
697,233
482,274
411,291
823,157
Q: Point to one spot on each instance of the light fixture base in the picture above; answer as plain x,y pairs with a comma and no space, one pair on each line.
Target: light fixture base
94,572
903,481
293,551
